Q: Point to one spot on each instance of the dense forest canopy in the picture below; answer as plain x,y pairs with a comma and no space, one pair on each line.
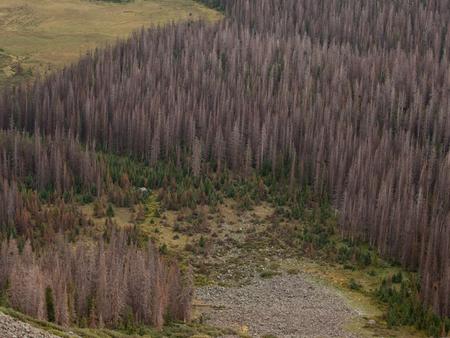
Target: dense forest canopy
347,97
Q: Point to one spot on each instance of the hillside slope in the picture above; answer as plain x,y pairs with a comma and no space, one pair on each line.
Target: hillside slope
355,117
289,130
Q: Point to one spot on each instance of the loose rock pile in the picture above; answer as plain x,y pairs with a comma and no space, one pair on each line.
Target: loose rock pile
284,306
12,328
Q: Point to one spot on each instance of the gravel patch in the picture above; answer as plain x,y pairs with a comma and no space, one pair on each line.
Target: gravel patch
284,306
12,328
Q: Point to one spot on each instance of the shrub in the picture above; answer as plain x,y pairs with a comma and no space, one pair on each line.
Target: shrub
49,304
397,278
110,211
354,285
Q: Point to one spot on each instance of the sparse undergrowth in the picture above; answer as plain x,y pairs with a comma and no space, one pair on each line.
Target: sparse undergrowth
404,307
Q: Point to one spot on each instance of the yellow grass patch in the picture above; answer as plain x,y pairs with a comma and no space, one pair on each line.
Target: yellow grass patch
47,34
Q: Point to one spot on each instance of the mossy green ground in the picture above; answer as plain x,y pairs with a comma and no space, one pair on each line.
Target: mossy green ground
44,35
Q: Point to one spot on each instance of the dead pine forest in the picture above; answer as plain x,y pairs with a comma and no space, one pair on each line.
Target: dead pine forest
334,114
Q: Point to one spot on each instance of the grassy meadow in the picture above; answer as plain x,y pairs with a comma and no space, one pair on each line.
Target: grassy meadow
40,36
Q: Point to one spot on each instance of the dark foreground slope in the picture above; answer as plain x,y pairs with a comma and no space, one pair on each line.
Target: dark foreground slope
347,98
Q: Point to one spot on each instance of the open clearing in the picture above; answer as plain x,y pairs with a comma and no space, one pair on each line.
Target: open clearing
47,34
248,283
